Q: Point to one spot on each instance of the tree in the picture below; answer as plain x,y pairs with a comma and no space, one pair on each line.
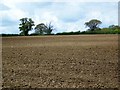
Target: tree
26,25
93,24
114,27
43,29
40,28
49,28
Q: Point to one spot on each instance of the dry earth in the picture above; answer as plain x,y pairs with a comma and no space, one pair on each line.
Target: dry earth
80,61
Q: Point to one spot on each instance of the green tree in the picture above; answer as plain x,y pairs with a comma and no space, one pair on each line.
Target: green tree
44,29
26,25
114,27
93,24
40,28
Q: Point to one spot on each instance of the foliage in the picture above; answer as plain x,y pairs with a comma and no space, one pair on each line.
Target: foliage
5,35
113,29
93,24
26,25
41,29
49,29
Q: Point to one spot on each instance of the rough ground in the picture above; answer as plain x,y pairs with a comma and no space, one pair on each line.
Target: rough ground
80,61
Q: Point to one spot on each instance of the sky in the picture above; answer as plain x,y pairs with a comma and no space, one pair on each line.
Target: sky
65,16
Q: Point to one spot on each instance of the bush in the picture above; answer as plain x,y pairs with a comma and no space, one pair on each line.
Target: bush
5,35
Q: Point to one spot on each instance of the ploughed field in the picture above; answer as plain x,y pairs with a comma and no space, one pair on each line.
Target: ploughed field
74,61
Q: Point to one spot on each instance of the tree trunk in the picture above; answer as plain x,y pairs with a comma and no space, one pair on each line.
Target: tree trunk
26,33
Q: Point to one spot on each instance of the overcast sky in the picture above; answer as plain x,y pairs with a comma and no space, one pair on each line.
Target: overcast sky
65,16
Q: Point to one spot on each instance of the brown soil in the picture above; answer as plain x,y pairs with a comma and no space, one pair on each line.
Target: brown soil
80,61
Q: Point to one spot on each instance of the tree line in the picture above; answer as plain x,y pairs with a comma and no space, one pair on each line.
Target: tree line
46,29
26,25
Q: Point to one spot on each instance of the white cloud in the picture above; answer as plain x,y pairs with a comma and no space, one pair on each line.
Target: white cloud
65,16
9,30
17,1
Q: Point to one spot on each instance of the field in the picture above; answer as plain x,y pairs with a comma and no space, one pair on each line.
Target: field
75,61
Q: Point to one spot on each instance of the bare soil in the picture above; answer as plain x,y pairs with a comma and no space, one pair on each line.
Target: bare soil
74,61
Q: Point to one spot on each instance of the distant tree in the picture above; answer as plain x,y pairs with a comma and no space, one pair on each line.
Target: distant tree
114,27
40,28
111,26
26,25
93,24
44,29
49,29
